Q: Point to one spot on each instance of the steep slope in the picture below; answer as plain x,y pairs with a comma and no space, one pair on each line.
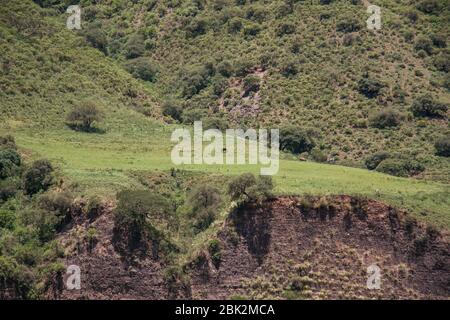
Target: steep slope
290,247
320,248
47,69
316,66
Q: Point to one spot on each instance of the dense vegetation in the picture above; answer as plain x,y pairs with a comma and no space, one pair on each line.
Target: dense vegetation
100,104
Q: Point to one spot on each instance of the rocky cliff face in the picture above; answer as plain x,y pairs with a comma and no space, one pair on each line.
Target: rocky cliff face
288,247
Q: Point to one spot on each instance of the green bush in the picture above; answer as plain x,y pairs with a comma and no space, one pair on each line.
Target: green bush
8,188
84,115
7,142
295,140
94,207
225,68
426,106
400,167
96,38
173,109
12,155
196,27
246,188
348,24
194,79
429,6
375,159
289,67
39,177
7,219
423,43
142,68
7,168
215,252
442,62
385,119
369,87
135,47
442,146
204,202
439,40
285,28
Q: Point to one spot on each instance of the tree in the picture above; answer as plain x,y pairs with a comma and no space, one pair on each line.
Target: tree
84,115
38,177
246,188
136,216
204,201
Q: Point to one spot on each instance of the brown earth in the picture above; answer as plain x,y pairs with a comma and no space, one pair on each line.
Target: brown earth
288,247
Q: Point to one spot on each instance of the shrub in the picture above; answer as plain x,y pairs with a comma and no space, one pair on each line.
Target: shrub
8,188
96,38
423,43
215,123
251,29
285,28
235,25
225,68
11,155
369,87
135,46
375,159
289,67
6,168
142,68
38,177
400,167
94,207
442,62
197,27
247,188
84,115
215,252
57,201
429,6
203,197
442,146
439,40
318,156
194,79
385,119
426,106
7,142
348,24
295,140
7,219
172,109
251,84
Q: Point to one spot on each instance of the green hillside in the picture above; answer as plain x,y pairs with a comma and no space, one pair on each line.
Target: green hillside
150,67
